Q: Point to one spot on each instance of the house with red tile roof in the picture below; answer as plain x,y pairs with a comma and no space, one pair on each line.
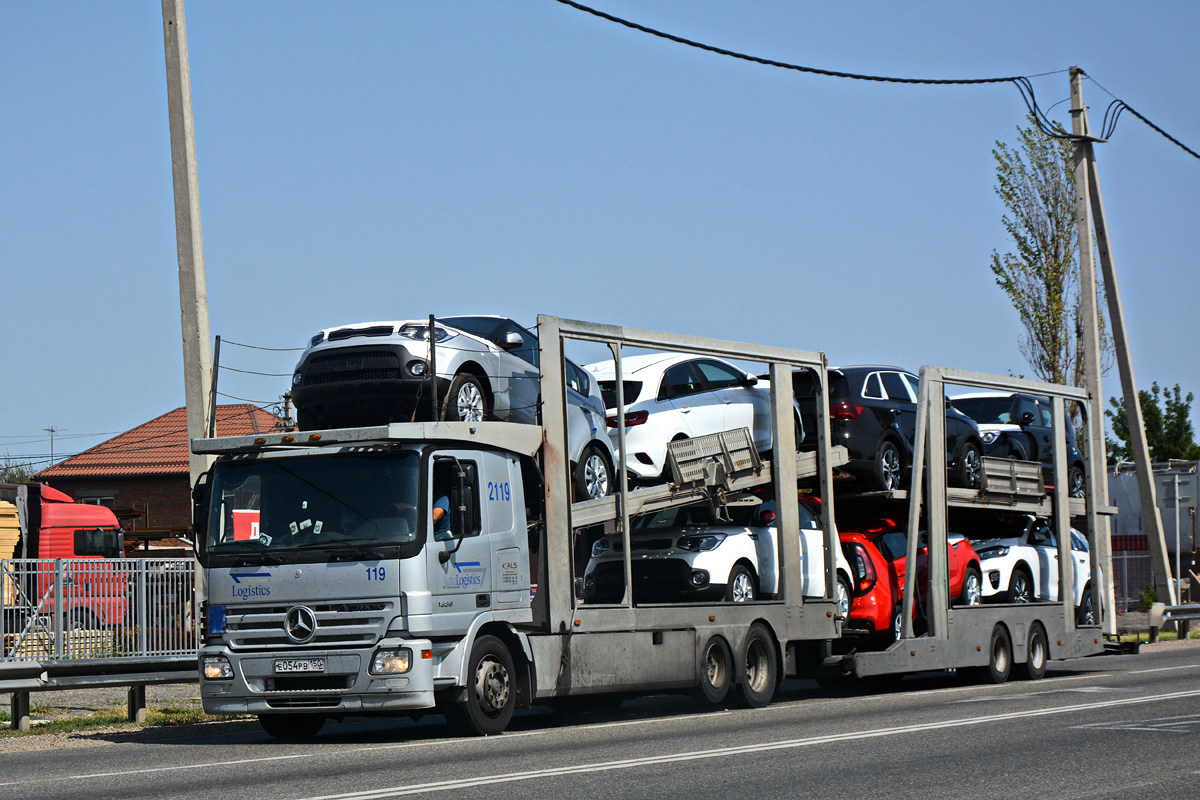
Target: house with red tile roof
142,474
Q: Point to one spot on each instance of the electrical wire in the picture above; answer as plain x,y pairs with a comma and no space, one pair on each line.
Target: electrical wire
1022,82
258,347
251,372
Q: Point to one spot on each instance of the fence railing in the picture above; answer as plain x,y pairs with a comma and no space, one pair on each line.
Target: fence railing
1132,573
90,608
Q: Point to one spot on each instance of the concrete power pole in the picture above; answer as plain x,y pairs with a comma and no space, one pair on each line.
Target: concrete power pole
1088,198
193,294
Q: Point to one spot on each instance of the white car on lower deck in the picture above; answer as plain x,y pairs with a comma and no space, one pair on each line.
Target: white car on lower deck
1019,558
683,554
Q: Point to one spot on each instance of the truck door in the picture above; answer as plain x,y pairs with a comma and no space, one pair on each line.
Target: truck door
501,495
458,555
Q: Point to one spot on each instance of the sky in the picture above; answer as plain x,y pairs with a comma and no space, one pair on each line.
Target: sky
388,160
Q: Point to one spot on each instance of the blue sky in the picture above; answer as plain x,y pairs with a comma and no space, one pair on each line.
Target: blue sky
366,161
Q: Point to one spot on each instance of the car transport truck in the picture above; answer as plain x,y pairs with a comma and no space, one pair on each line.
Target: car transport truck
336,588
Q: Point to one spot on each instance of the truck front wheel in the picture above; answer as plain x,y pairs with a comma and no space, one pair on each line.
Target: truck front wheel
291,727
491,691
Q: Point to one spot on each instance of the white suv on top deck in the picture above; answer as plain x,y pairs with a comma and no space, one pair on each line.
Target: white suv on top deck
671,396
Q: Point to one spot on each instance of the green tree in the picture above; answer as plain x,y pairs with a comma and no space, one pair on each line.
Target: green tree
1035,179
16,471
1169,432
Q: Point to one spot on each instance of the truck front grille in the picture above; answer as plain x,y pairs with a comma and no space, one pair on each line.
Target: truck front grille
338,625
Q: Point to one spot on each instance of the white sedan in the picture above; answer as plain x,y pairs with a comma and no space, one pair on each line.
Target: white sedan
672,396
683,554
1020,564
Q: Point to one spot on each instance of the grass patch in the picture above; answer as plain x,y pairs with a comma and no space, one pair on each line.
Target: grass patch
115,717
1164,636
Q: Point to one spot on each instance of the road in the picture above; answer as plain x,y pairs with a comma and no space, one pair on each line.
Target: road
1112,726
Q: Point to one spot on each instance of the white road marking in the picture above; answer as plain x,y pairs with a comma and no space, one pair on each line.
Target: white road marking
1162,669
1026,695
724,752
1103,790
372,748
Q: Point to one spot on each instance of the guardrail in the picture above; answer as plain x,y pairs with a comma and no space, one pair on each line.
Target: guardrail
1161,615
89,622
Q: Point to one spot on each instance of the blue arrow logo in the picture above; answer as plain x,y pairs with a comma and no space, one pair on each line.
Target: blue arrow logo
238,578
459,565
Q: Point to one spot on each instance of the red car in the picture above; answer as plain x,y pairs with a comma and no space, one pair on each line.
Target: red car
878,553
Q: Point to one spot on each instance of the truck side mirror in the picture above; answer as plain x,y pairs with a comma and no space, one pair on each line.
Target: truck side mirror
201,495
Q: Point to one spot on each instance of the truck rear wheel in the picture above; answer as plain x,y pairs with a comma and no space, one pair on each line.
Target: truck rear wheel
759,667
999,657
1039,653
291,727
716,671
491,691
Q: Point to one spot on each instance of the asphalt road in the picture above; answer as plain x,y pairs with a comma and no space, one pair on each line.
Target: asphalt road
1113,726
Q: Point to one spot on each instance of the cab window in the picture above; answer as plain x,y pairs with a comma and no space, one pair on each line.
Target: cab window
456,494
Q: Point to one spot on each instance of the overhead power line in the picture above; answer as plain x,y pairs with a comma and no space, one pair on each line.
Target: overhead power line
1022,82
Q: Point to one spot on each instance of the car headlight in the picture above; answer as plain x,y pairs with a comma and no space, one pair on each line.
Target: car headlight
391,661
990,437
316,340
297,378
600,547
993,552
216,668
708,541
421,332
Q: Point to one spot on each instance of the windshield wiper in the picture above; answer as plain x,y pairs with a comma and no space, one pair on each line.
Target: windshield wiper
346,548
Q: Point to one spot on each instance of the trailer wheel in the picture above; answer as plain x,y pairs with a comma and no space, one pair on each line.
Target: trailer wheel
759,667
291,727
1039,653
716,671
999,656
491,691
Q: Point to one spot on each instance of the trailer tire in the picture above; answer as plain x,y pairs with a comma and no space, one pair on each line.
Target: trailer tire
1038,653
716,671
291,727
999,656
491,691
758,667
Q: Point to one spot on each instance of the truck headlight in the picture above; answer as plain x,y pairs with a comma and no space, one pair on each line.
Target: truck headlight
391,662
216,668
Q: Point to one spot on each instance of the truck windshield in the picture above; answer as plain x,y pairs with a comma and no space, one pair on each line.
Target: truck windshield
286,506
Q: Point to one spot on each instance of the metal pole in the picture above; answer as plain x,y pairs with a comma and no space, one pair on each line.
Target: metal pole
433,404
212,403
193,292
1178,574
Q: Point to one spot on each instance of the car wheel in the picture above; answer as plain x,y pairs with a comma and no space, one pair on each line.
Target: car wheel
972,588
888,466
740,588
897,622
969,474
593,475
466,401
1076,481
1038,653
999,656
491,691
291,727
1020,587
845,597
759,667
1086,613
716,671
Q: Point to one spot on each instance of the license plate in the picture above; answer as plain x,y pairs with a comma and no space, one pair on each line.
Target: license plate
300,665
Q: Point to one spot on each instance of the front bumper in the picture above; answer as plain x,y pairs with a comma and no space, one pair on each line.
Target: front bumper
345,686
654,581
369,384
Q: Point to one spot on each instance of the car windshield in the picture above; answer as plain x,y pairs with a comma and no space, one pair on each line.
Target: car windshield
608,392
985,410
282,504
490,328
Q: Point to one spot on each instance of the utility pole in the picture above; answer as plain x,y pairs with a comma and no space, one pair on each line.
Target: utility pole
193,292
51,430
1088,199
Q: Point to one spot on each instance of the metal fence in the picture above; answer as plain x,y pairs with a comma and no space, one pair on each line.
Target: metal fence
93,608
1132,573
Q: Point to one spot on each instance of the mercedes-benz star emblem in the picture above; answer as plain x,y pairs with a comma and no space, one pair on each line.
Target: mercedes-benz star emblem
300,624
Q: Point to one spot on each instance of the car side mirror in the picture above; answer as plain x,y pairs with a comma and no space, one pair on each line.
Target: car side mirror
513,339
1027,418
751,380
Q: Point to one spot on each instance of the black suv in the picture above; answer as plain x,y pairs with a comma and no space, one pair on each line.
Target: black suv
1018,425
873,414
